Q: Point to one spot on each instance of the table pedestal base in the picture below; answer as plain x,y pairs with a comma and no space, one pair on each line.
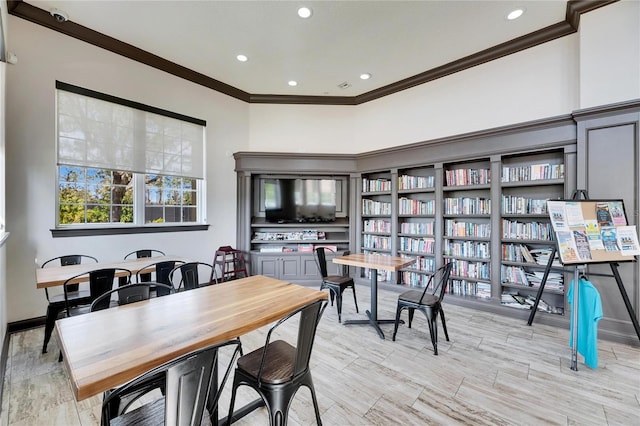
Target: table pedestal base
372,322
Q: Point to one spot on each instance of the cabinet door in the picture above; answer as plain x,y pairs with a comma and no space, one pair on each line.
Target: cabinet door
266,265
309,269
289,267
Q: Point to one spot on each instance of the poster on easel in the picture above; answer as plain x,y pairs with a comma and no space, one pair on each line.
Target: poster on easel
592,231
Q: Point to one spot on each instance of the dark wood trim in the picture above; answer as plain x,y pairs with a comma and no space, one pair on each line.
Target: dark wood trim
570,25
42,17
89,232
3,362
125,102
27,324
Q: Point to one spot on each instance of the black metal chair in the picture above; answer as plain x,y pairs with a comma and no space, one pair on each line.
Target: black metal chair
277,370
335,283
139,255
429,301
162,271
189,274
100,282
191,387
56,303
129,293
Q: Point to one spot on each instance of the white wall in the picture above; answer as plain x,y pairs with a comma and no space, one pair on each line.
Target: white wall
541,82
45,56
532,84
610,54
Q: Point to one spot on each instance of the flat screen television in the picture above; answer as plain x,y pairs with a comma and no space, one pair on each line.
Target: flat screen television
300,200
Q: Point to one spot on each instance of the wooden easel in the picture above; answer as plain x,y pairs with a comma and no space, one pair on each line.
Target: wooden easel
578,271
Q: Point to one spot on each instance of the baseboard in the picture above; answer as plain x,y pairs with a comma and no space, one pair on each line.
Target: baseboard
17,326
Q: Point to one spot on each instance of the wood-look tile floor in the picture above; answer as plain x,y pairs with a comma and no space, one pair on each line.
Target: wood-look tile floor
495,370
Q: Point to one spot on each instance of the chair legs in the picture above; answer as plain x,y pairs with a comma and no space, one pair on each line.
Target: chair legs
53,310
336,293
276,398
432,319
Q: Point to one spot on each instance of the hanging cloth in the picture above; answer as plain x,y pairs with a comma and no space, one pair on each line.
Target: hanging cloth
589,313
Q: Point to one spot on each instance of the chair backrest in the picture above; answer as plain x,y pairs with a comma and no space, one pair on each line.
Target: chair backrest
437,284
66,260
321,260
70,259
189,275
145,253
128,294
190,385
163,269
100,282
310,315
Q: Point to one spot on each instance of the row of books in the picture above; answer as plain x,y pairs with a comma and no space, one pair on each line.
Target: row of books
375,207
513,229
532,172
375,185
377,225
477,249
467,205
524,254
455,228
411,206
518,301
309,234
414,279
423,263
464,177
301,248
376,242
469,288
468,269
418,245
415,182
512,204
519,276
421,228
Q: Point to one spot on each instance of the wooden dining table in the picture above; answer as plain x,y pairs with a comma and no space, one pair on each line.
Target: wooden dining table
107,348
57,275
374,263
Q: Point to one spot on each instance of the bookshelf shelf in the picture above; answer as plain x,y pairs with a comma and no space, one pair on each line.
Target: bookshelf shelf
527,181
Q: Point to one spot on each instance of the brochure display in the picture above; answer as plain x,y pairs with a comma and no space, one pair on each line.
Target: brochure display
591,231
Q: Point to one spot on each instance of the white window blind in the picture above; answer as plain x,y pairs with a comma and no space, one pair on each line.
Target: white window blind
97,131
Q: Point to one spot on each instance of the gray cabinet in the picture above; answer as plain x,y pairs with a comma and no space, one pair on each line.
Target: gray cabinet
281,266
295,267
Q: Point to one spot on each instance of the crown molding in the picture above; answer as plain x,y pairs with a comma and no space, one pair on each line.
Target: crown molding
570,25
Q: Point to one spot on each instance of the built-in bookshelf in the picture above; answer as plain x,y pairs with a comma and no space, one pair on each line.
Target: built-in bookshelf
416,224
527,181
376,217
467,208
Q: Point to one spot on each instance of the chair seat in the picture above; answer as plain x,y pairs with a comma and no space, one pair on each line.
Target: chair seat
413,296
151,414
278,364
338,280
79,296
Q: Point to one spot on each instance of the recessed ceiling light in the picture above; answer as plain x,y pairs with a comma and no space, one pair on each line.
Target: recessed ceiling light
292,83
365,76
515,14
305,12
242,58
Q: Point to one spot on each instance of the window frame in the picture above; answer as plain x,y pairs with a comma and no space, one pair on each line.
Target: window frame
138,179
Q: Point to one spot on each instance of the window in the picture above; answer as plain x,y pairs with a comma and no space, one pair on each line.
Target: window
120,162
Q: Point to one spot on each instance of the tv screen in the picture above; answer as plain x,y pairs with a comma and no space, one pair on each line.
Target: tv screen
299,200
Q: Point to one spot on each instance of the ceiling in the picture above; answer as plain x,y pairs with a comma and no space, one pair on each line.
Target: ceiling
394,41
